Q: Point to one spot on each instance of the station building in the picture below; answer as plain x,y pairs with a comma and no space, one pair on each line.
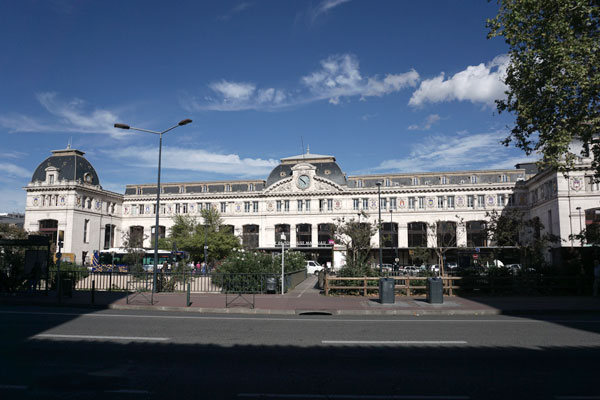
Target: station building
302,197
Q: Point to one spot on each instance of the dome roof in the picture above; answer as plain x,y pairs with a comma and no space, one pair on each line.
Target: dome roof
71,166
326,168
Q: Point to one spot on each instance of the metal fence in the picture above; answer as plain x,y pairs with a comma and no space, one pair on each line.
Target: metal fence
166,282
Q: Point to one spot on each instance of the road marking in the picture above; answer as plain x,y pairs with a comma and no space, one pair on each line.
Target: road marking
94,337
411,342
350,396
17,387
303,319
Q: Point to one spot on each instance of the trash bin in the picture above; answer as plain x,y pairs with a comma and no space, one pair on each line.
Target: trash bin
435,291
386,291
271,285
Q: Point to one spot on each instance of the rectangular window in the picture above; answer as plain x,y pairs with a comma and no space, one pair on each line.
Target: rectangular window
207,206
177,208
286,206
51,179
359,183
473,178
480,201
223,207
251,187
355,204
141,209
388,182
300,204
501,200
450,201
383,204
307,203
321,205
255,206
504,178
329,204
511,200
184,207
86,231
415,181
411,203
228,188
278,205
444,180
392,203
247,206
440,201
365,205
470,201
163,208
421,202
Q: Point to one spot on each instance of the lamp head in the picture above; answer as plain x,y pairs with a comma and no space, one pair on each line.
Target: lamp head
378,184
122,126
185,122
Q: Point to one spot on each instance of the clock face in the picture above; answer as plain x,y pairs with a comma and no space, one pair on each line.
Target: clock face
303,181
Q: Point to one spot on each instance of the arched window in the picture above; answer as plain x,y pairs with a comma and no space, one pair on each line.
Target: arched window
417,234
49,227
325,234
161,233
280,230
446,234
476,236
250,236
136,236
304,235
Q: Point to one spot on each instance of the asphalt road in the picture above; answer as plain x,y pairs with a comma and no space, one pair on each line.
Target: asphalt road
73,353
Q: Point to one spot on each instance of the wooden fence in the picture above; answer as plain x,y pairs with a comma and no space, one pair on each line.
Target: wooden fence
535,284
404,285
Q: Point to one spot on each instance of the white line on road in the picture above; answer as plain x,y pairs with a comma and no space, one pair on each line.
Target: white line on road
577,397
92,337
302,319
350,396
400,342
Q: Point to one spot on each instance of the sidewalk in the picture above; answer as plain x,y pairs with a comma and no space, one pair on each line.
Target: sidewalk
306,300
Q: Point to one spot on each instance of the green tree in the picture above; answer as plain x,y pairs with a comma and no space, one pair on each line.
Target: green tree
528,236
356,236
552,78
190,235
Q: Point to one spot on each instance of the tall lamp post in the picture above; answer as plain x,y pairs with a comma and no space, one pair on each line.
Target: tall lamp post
580,227
395,243
379,225
125,126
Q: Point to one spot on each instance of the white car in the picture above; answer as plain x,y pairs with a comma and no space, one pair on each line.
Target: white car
313,267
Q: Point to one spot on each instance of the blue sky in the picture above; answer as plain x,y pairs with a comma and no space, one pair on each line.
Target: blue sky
384,86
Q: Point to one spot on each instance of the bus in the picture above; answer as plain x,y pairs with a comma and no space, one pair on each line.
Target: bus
114,259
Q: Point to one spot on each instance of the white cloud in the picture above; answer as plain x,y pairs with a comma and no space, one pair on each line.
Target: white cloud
188,159
10,170
338,77
481,83
427,124
68,117
12,200
325,6
456,152
235,10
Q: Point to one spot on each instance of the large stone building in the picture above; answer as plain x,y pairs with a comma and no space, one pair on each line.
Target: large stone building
300,198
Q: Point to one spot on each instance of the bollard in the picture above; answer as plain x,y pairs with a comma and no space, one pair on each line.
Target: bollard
93,290
187,304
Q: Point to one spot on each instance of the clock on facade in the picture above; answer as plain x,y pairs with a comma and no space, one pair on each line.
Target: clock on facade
303,181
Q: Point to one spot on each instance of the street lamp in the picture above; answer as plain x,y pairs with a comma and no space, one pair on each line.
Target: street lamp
580,228
394,243
125,126
283,237
379,225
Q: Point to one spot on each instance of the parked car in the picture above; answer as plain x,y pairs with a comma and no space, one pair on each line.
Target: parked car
313,267
513,267
385,267
411,270
451,266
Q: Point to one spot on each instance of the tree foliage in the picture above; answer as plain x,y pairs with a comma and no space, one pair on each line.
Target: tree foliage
511,228
191,235
356,236
552,78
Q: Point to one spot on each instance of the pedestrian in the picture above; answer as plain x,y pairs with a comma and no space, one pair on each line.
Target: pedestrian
203,268
596,277
198,267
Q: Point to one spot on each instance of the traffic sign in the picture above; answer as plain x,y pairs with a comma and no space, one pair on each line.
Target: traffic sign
477,249
475,256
